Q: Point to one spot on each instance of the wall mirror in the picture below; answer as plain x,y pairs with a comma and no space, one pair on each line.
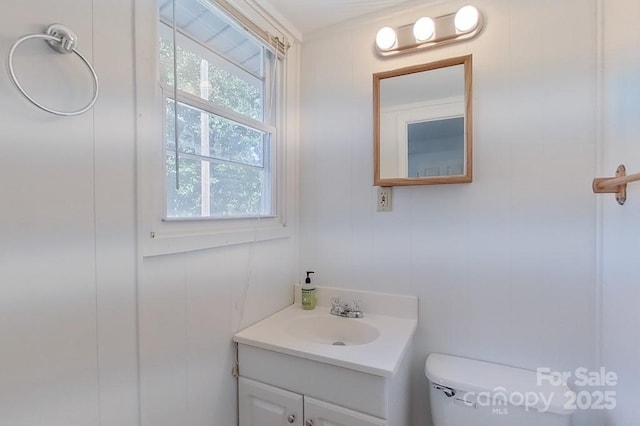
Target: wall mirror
422,124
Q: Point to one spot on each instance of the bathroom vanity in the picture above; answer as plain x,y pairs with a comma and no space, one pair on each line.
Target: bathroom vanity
311,368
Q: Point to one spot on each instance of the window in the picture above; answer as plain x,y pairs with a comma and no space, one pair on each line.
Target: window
220,87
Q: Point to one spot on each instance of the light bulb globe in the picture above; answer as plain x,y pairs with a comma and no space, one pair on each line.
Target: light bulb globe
424,29
467,18
386,38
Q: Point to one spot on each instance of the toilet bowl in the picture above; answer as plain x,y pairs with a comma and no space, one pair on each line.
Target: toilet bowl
467,392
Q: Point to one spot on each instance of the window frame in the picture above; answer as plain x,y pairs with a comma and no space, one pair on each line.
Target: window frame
159,235
216,59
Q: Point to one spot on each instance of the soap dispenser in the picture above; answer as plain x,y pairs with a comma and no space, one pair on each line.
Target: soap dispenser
308,293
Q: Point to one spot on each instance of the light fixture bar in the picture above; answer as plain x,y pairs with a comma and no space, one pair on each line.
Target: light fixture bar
446,31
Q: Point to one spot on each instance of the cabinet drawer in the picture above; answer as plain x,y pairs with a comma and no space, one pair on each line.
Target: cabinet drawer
359,391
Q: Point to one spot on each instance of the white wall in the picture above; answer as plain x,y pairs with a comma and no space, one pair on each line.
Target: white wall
503,267
620,229
190,307
67,235
72,281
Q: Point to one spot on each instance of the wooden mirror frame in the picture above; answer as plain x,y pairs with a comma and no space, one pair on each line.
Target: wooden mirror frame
468,134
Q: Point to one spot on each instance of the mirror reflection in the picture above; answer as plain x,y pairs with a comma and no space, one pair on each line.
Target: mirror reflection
435,147
423,124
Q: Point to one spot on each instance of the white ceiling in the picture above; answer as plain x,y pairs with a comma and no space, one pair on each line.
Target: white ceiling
311,15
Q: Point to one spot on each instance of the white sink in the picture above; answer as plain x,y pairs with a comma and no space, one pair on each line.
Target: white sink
333,330
374,344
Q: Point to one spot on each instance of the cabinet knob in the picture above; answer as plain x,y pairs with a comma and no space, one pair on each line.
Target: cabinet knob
291,418
308,423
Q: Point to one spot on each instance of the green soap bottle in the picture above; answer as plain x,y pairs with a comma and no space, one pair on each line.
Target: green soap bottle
308,293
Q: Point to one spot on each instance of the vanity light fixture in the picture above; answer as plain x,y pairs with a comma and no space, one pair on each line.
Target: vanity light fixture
428,32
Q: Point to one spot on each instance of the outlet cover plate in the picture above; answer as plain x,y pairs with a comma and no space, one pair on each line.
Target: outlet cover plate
384,199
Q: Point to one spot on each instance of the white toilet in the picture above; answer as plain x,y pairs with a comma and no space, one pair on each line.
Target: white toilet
466,392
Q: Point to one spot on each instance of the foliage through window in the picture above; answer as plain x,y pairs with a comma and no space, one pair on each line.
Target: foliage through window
220,86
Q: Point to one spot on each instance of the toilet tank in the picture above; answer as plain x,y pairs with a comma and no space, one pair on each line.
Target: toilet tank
467,392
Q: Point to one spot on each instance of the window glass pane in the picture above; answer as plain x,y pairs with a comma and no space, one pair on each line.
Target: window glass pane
189,129
237,143
231,156
186,200
236,190
239,92
208,135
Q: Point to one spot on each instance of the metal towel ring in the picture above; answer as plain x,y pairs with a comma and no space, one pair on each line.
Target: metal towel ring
61,39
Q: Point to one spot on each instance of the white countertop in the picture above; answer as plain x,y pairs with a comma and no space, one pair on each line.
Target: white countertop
380,357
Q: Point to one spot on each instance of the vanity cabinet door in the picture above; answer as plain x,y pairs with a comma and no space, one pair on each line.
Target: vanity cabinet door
319,413
264,405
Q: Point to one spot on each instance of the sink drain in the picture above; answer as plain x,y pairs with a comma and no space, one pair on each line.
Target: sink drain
338,344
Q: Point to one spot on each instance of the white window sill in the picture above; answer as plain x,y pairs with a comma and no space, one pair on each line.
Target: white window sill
162,243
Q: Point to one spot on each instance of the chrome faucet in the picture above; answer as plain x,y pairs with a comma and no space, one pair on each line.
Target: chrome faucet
344,309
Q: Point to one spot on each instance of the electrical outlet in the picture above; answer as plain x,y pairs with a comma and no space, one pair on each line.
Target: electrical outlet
384,199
